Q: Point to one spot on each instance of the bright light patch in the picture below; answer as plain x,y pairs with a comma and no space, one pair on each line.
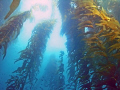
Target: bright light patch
26,32
86,29
43,10
27,4
56,42
73,5
40,9
110,10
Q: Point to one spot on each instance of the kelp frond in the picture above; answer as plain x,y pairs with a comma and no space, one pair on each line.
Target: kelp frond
11,29
13,6
109,26
103,43
32,57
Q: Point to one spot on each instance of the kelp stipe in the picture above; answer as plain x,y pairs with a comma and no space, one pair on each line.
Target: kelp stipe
74,45
11,29
61,77
102,45
32,58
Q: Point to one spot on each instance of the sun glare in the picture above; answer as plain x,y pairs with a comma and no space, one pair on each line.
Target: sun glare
40,9
43,10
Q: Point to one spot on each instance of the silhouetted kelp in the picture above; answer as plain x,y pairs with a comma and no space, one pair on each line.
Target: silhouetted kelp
32,57
11,29
61,77
50,75
98,66
74,45
53,78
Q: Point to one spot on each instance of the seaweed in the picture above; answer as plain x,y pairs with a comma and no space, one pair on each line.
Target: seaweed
93,55
61,77
13,6
11,29
32,57
102,45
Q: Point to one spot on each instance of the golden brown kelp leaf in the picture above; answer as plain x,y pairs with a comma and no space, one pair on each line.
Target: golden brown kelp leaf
13,6
83,6
116,55
88,22
111,33
90,26
101,53
84,3
96,47
114,47
110,28
104,44
11,29
113,24
87,33
94,44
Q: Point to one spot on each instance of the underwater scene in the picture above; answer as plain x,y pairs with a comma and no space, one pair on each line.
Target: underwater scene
59,44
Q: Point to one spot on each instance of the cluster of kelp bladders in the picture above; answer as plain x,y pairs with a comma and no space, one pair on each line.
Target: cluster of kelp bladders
102,54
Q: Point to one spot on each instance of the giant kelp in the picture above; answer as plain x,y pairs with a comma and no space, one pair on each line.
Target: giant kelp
74,44
111,6
13,6
96,68
11,29
53,77
61,77
32,58
102,45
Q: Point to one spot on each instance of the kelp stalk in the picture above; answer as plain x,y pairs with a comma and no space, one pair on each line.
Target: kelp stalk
11,29
32,57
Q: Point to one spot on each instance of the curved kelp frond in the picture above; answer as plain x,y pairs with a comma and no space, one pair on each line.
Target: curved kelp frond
32,57
11,29
13,6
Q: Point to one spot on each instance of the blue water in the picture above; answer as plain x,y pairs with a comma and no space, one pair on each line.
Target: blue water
47,45
54,45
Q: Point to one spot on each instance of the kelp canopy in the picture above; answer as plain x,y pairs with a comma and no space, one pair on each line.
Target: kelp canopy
92,29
